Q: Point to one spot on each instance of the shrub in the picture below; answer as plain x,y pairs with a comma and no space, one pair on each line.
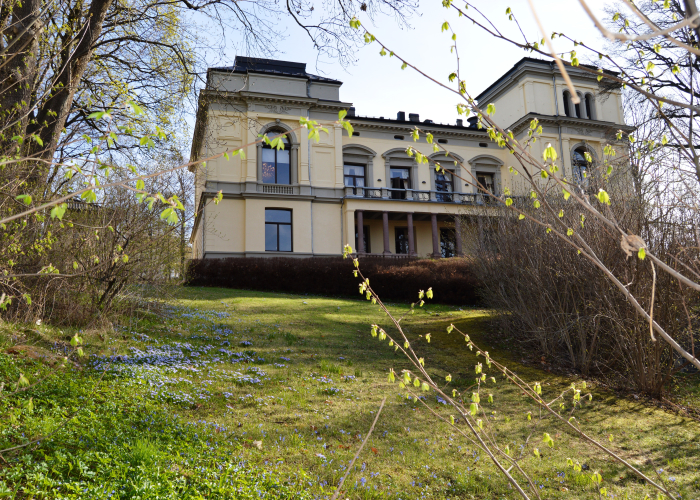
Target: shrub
557,304
453,280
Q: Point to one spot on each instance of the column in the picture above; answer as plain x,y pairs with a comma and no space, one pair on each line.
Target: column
436,239
360,232
385,229
458,236
411,241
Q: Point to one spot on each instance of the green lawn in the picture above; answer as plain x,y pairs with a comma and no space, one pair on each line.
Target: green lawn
240,394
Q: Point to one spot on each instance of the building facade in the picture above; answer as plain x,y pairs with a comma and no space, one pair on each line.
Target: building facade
311,198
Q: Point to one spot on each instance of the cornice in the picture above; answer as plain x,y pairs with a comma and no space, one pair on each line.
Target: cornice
465,133
312,103
524,123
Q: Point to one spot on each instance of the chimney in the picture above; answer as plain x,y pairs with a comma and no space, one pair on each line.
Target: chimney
460,123
351,111
413,117
401,116
473,121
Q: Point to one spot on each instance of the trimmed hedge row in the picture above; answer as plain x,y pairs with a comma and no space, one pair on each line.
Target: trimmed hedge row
453,280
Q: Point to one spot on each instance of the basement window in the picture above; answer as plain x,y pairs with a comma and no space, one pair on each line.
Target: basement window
442,141
356,134
398,137
483,145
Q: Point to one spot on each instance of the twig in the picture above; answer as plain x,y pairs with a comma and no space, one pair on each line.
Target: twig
651,307
340,484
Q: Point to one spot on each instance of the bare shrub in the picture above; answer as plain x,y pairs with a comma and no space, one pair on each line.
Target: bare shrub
559,305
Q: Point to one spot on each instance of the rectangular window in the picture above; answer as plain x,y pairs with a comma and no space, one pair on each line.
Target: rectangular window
443,186
275,166
400,181
486,180
367,244
354,176
447,242
278,230
401,239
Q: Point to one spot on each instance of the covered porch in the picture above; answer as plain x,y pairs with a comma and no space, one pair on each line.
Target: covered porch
399,234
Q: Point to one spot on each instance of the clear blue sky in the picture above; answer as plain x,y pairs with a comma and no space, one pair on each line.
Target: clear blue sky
378,87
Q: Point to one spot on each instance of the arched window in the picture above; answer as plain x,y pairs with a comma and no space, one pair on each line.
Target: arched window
577,107
275,162
590,108
580,164
567,103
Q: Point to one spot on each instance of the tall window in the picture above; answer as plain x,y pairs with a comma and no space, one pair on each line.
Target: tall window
580,164
590,110
275,163
448,242
354,176
401,241
567,103
577,107
486,180
443,185
400,179
278,230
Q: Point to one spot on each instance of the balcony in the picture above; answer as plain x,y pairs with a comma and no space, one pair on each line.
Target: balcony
418,195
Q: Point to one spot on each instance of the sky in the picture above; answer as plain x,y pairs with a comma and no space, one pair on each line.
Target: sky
377,86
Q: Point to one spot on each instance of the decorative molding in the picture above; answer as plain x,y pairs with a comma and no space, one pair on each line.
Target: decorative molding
280,110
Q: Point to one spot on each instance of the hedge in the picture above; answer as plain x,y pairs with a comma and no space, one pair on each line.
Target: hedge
453,280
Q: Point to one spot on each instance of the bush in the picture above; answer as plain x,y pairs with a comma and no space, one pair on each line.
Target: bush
557,304
453,280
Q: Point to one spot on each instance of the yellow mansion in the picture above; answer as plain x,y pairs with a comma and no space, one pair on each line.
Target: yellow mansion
311,198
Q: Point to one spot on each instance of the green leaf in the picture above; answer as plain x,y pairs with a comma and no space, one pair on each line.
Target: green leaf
603,197
342,114
641,253
490,109
166,213
521,216
89,196
58,211
445,26
25,198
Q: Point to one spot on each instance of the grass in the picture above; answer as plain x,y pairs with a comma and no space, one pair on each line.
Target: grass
239,394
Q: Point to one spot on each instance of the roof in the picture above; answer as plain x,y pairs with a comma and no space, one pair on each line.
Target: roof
247,65
533,60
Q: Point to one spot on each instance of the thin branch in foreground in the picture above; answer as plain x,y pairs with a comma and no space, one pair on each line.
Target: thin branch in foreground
340,484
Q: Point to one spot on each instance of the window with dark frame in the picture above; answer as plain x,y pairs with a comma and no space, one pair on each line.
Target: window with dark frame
278,230
354,176
577,107
486,180
444,185
580,164
367,240
448,242
275,162
400,179
401,239
589,106
567,103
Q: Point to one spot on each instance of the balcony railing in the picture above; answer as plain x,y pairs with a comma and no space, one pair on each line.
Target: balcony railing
420,195
277,189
